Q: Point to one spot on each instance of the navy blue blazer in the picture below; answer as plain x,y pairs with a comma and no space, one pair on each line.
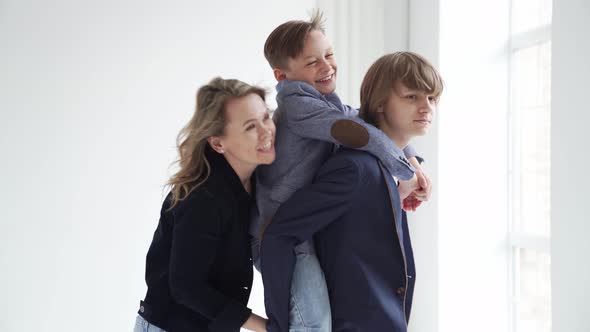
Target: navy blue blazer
353,211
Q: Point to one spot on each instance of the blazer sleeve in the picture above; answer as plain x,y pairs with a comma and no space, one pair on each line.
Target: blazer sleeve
410,152
196,236
310,116
308,211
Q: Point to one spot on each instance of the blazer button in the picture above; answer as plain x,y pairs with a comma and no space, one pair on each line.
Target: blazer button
400,291
141,309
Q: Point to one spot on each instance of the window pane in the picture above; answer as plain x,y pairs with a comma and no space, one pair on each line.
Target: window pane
530,14
532,100
534,306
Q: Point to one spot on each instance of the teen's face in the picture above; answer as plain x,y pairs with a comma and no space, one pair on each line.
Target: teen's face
315,65
407,113
248,138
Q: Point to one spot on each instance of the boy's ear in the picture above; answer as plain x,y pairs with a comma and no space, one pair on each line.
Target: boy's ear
279,74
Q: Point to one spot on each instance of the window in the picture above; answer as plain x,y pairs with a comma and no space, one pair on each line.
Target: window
529,164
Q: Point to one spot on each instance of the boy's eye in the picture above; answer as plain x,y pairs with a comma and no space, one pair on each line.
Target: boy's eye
411,97
312,63
266,117
329,55
250,127
431,98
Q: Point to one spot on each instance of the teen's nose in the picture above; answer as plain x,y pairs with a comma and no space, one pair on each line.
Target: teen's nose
426,105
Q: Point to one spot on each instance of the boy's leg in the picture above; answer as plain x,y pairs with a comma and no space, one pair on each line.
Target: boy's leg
309,304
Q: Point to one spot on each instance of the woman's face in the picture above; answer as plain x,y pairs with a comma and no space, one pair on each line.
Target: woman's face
249,134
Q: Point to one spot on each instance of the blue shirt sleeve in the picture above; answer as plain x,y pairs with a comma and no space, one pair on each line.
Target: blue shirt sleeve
310,115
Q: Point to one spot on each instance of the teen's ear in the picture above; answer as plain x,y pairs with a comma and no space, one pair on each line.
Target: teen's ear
216,144
279,74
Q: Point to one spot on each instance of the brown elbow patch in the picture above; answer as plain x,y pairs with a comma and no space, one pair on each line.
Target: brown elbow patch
350,134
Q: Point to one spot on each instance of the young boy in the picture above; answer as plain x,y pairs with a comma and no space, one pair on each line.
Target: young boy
310,121
353,210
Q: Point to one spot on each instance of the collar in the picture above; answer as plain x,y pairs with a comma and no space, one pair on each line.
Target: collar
224,176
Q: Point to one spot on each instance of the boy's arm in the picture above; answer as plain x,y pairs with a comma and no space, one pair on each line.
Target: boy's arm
296,221
308,115
410,152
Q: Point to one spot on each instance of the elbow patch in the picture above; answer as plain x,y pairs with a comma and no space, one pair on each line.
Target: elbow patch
350,134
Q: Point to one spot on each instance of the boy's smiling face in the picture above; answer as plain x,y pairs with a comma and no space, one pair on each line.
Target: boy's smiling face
315,65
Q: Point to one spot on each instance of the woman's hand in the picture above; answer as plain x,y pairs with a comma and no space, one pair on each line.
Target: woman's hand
255,323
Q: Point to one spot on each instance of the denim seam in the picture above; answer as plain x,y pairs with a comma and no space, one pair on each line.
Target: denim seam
296,308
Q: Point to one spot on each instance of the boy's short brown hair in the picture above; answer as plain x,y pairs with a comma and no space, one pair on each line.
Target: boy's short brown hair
288,39
409,68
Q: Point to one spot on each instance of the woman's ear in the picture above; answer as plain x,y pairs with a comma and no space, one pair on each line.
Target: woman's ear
216,144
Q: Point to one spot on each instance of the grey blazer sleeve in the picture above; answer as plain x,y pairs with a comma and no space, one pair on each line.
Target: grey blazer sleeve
312,116
410,152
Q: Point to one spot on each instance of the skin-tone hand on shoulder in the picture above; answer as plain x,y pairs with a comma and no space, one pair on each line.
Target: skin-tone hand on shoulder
416,197
255,323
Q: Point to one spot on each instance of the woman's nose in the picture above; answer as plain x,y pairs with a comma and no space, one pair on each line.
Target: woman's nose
265,131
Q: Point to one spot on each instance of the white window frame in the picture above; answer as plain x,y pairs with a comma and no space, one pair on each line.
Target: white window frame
517,239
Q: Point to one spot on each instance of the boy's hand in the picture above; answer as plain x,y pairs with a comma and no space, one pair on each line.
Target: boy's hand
406,188
411,203
423,193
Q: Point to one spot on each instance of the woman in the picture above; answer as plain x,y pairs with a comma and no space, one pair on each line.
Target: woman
199,266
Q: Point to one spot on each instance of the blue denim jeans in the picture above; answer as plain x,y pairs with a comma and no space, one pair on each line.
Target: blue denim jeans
142,325
309,309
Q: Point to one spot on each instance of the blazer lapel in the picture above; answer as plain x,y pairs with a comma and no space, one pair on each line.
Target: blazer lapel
394,200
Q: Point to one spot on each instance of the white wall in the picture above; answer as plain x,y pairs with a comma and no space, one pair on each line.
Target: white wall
472,192
92,95
570,161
